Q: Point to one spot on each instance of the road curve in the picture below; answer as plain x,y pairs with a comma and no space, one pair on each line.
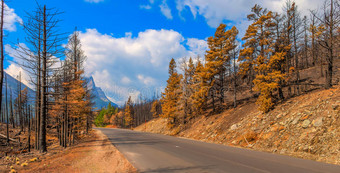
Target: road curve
151,153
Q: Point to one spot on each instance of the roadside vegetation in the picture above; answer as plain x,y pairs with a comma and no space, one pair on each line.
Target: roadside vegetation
269,64
275,90
60,111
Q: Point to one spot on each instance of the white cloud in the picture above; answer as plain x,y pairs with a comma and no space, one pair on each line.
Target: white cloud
166,11
146,7
216,11
197,46
242,26
126,80
11,18
115,92
19,64
14,51
14,71
128,65
234,12
94,1
304,6
146,80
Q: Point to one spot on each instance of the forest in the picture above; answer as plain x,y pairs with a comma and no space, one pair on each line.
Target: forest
61,106
266,63
270,85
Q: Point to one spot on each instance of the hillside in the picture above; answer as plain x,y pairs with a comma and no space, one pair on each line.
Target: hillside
306,126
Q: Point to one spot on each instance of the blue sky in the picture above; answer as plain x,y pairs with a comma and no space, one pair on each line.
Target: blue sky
129,43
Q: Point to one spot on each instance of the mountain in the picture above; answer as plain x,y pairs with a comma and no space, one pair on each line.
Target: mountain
12,86
100,98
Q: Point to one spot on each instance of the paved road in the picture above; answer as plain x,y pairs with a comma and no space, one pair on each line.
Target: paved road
151,153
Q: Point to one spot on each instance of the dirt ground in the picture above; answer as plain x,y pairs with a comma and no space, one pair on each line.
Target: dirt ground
95,154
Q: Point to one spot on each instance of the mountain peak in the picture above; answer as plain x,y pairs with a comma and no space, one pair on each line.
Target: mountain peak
100,98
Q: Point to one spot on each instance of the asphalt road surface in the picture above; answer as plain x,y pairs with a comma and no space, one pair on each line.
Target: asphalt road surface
151,153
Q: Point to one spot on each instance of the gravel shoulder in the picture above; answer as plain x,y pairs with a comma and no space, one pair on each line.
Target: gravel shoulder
96,154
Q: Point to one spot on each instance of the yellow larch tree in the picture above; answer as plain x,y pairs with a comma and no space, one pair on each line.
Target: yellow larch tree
251,46
214,67
200,89
156,108
128,112
269,63
171,95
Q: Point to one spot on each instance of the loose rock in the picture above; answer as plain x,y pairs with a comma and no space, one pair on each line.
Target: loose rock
233,127
318,122
305,123
296,120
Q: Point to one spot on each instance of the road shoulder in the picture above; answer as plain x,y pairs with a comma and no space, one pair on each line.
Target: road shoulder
96,154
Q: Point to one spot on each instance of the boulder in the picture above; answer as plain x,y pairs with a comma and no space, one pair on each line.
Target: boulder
305,123
234,127
318,122
296,120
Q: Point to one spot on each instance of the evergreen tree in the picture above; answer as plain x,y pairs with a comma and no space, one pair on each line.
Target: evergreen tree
128,112
252,47
185,102
200,88
156,108
171,95
268,65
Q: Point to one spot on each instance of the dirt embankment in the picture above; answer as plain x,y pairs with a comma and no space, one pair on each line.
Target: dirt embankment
307,126
95,154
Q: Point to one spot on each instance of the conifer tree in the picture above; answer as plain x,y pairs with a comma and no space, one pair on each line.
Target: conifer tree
72,106
260,55
171,95
268,79
200,88
269,63
185,102
128,112
156,108
77,104
216,59
252,47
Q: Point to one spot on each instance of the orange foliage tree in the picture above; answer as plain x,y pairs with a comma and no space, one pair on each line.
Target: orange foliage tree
171,95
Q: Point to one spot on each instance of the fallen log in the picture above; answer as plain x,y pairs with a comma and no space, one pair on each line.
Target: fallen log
11,139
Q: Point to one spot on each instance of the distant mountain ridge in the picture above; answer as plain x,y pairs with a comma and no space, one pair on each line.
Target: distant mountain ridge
100,98
12,87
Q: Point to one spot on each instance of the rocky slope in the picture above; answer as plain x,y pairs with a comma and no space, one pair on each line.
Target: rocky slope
307,126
